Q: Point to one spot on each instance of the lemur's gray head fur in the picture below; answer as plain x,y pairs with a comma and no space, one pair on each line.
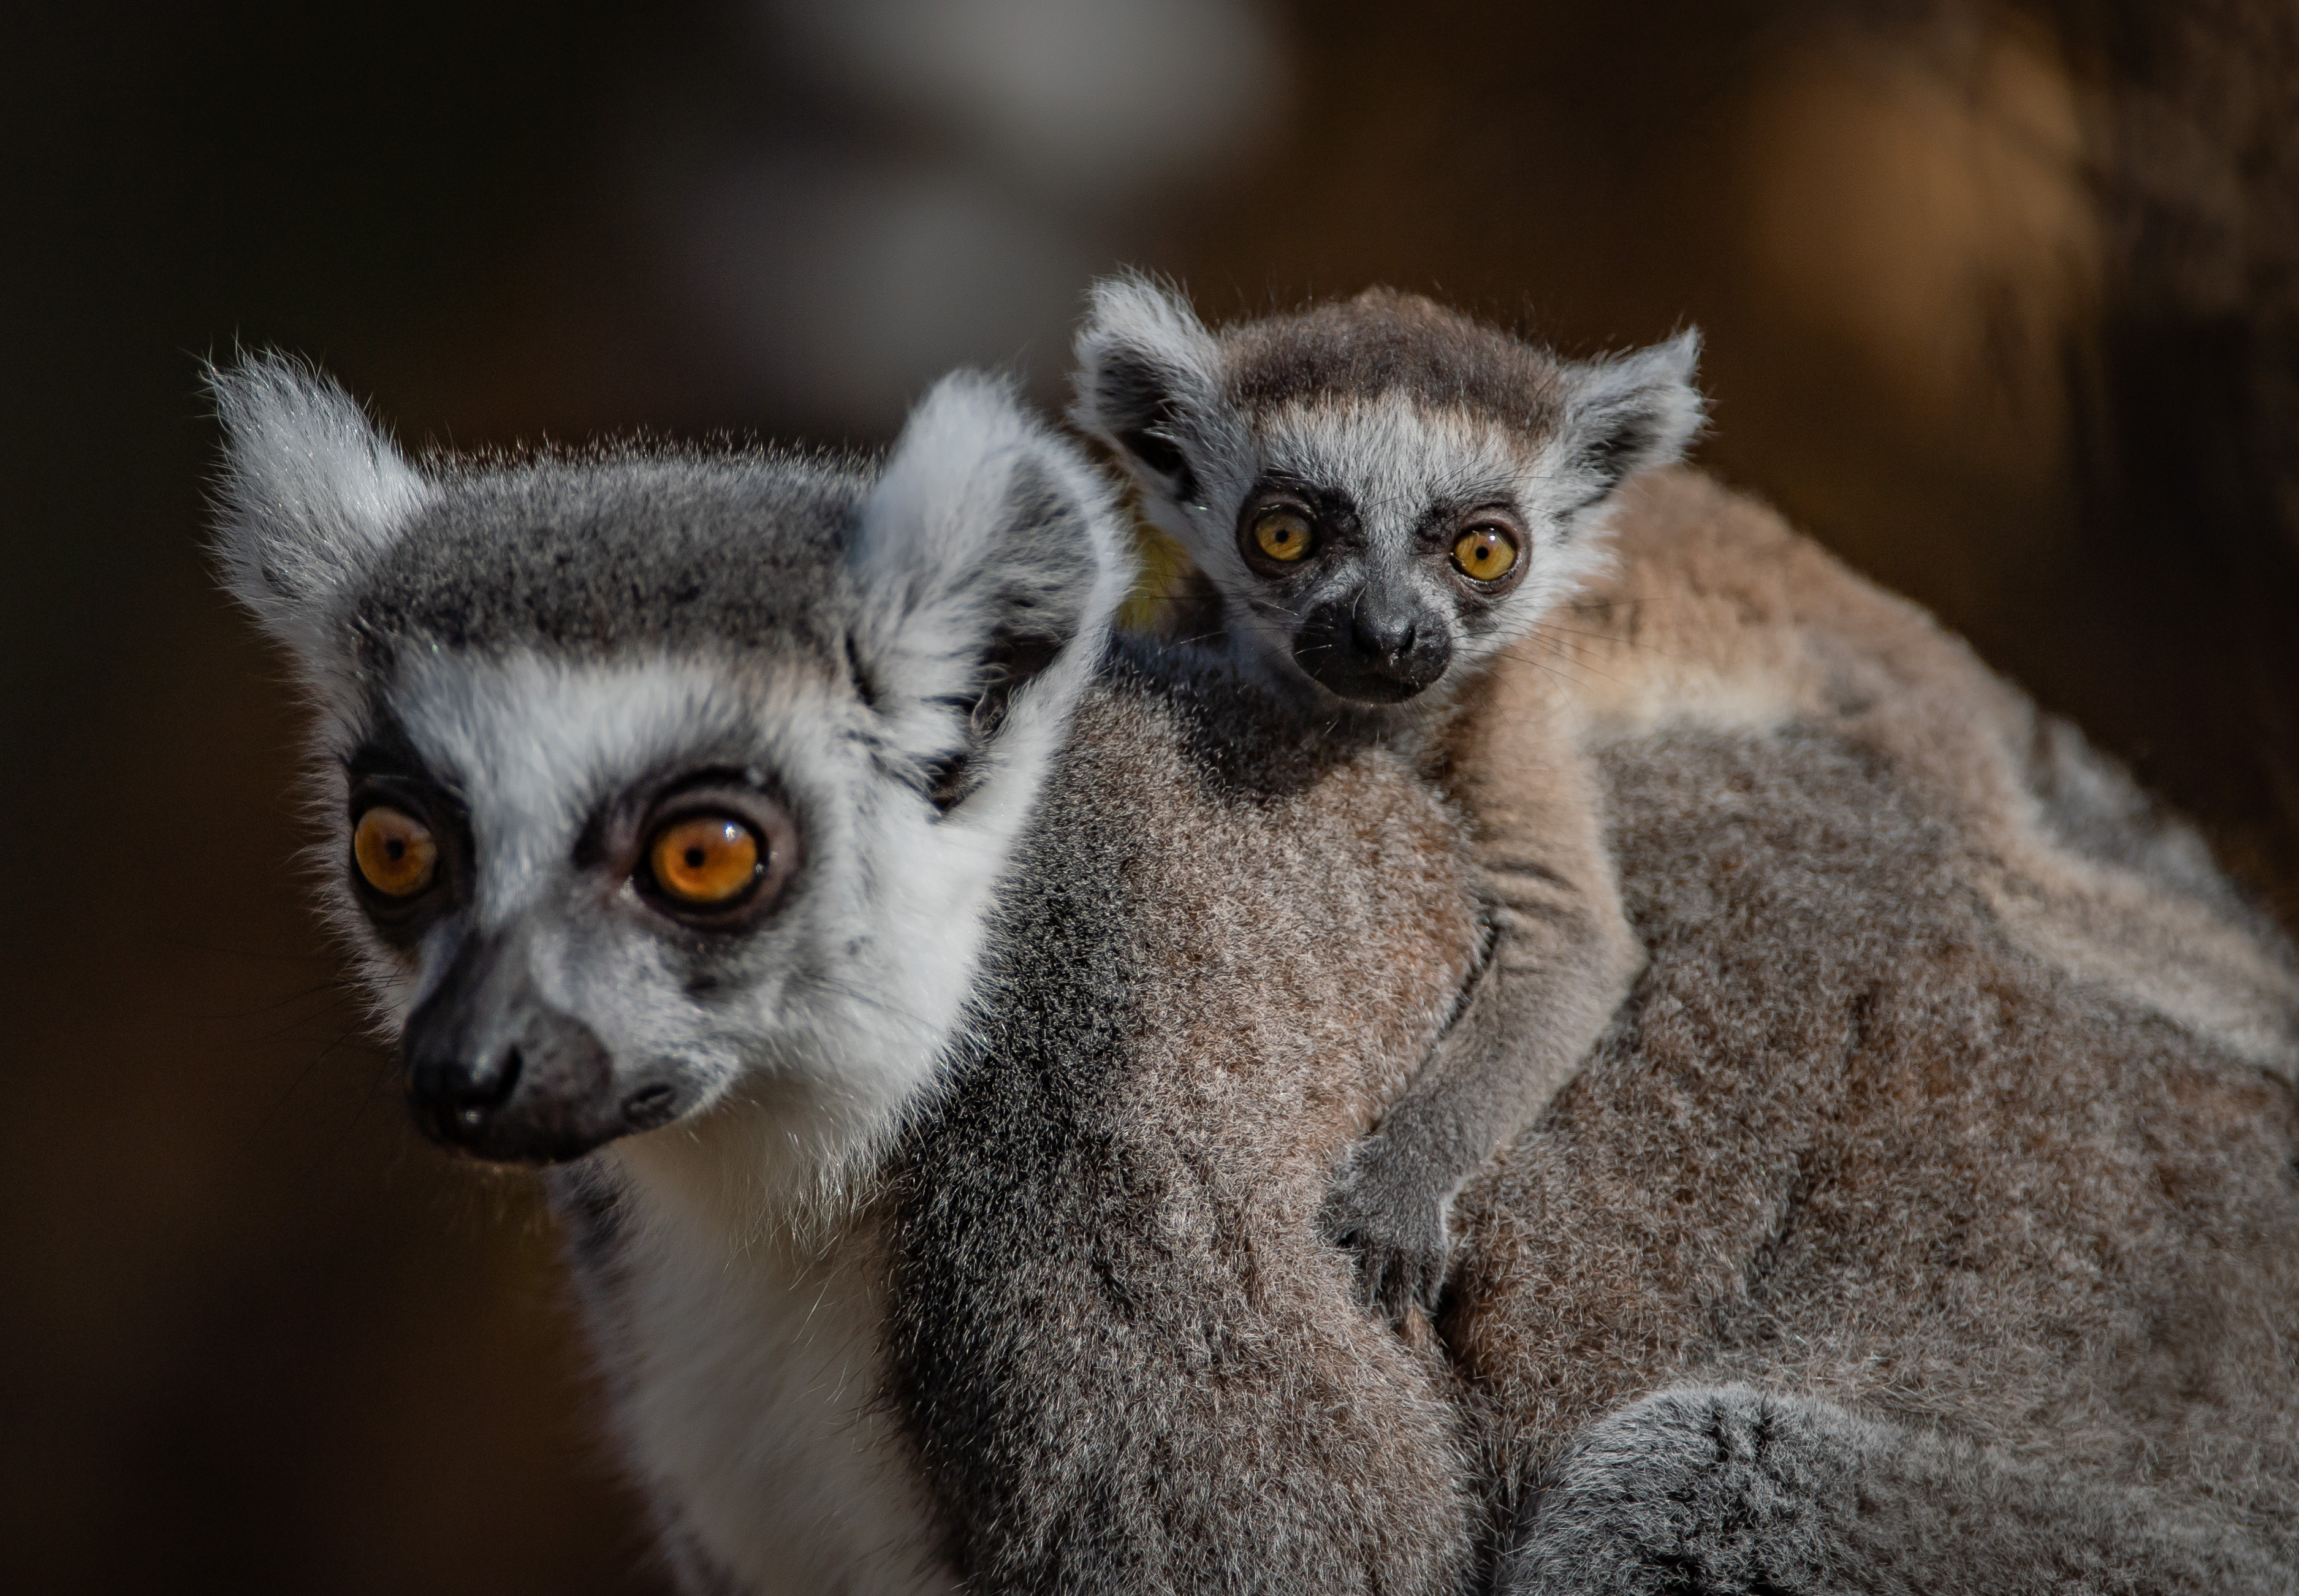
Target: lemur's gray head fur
654,778
1379,489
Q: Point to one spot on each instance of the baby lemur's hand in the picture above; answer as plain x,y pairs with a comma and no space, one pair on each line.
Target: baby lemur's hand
1391,1214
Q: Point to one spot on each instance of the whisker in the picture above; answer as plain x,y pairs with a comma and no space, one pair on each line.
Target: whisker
296,1085
294,997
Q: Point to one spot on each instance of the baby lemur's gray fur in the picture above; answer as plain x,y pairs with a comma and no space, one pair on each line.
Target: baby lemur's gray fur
952,1049
1386,497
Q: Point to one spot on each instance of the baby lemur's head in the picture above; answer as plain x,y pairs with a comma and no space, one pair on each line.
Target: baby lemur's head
654,779
1384,492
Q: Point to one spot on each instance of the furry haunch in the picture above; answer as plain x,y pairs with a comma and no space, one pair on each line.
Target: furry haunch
1953,1103
1385,499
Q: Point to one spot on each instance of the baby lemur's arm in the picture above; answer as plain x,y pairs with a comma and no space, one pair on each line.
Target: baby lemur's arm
1728,1489
1560,960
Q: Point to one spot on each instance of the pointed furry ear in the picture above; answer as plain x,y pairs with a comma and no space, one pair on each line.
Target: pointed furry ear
1145,364
311,493
1627,413
989,561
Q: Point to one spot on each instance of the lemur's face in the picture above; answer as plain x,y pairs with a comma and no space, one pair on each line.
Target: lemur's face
603,894
662,782
1374,545
1384,492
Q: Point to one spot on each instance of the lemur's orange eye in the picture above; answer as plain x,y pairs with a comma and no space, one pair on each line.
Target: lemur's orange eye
1283,535
705,860
1485,553
394,851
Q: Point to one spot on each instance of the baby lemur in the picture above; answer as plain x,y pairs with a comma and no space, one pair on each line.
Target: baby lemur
1383,496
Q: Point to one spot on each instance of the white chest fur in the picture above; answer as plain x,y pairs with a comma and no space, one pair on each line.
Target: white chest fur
747,1371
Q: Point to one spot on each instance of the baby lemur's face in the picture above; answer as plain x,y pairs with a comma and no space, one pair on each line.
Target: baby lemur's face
657,780
1384,492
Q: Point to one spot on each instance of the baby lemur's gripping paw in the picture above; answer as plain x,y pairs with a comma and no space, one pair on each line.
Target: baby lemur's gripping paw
1391,1215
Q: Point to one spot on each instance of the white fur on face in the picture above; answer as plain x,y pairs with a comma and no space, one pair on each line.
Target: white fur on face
846,994
1395,460
1152,383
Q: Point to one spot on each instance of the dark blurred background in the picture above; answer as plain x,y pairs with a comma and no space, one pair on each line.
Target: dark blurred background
2002,303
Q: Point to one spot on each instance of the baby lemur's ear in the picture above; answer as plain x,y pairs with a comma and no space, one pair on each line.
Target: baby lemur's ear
988,562
1627,413
1147,370
311,493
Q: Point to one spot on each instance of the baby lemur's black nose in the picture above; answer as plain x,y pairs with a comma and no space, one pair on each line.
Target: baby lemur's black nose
1375,648
1386,637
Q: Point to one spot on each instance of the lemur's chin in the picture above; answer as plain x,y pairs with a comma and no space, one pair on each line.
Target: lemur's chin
541,1133
548,1095
1346,680
523,1139
1376,690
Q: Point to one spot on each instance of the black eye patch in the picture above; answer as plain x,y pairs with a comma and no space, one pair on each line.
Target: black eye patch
1330,508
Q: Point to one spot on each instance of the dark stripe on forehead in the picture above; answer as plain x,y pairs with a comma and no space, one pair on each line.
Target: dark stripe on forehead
595,556
1385,341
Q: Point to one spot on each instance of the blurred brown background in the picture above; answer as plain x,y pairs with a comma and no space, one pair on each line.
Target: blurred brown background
2001,304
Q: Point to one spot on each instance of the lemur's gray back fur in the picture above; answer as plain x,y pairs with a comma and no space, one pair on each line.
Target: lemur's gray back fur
1910,1121
1130,1360
1849,1148
1956,1093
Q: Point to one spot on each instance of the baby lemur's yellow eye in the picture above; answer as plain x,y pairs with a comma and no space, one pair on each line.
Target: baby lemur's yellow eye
1485,553
394,851
705,859
1283,535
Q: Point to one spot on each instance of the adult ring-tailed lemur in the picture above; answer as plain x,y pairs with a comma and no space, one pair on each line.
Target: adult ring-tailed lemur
919,1014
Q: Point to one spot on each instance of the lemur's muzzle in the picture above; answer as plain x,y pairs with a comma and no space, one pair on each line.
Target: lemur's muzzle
494,1070
1373,647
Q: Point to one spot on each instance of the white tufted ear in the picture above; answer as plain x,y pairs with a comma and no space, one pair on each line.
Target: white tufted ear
1146,365
989,561
1627,413
311,493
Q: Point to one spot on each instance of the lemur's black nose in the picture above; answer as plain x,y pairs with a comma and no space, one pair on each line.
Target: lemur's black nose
492,1068
464,1089
1387,636
1374,647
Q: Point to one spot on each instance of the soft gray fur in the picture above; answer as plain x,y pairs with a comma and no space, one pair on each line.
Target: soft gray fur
1129,1358
1726,1488
1954,1095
